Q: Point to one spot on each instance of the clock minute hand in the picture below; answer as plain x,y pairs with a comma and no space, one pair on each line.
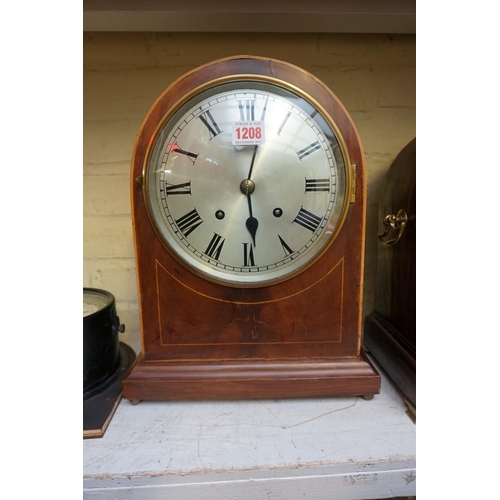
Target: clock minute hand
247,187
256,145
252,162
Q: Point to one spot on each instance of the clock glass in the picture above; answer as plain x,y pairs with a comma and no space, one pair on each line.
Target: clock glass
246,181
94,301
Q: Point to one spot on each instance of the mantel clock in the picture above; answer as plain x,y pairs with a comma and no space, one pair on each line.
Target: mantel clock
248,200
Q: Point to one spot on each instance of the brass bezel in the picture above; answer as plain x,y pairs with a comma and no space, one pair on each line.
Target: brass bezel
248,77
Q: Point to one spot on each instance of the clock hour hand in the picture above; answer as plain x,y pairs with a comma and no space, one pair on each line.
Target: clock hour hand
252,223
247,187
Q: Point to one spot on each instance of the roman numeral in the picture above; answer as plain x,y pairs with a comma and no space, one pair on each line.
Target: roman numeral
210,123
247,110
307,219
286,248
215,246
248,257
317,185
183,188
308,150
189,222
177,149
264,110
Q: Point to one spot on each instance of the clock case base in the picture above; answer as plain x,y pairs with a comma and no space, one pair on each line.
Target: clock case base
152,380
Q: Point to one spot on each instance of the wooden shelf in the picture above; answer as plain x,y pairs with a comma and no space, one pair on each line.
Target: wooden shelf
287,16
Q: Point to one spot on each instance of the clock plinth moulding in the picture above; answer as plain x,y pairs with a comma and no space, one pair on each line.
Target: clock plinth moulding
249,256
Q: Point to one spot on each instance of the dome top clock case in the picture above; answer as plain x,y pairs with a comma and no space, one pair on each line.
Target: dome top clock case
248,196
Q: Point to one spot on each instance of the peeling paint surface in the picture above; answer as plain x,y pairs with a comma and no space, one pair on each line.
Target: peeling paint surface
362,446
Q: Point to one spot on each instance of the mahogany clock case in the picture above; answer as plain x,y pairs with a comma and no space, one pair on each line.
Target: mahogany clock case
204,340
390,330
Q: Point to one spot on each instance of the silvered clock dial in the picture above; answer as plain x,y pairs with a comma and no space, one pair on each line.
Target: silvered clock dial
246,181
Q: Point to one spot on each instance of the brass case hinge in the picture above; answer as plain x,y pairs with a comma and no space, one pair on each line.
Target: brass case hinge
353,183
140,180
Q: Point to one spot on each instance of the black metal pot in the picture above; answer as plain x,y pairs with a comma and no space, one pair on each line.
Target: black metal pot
101,347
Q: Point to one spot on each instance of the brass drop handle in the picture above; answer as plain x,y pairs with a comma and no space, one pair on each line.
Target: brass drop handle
393,222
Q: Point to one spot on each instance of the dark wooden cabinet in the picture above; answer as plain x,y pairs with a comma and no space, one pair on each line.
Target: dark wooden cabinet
390,330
